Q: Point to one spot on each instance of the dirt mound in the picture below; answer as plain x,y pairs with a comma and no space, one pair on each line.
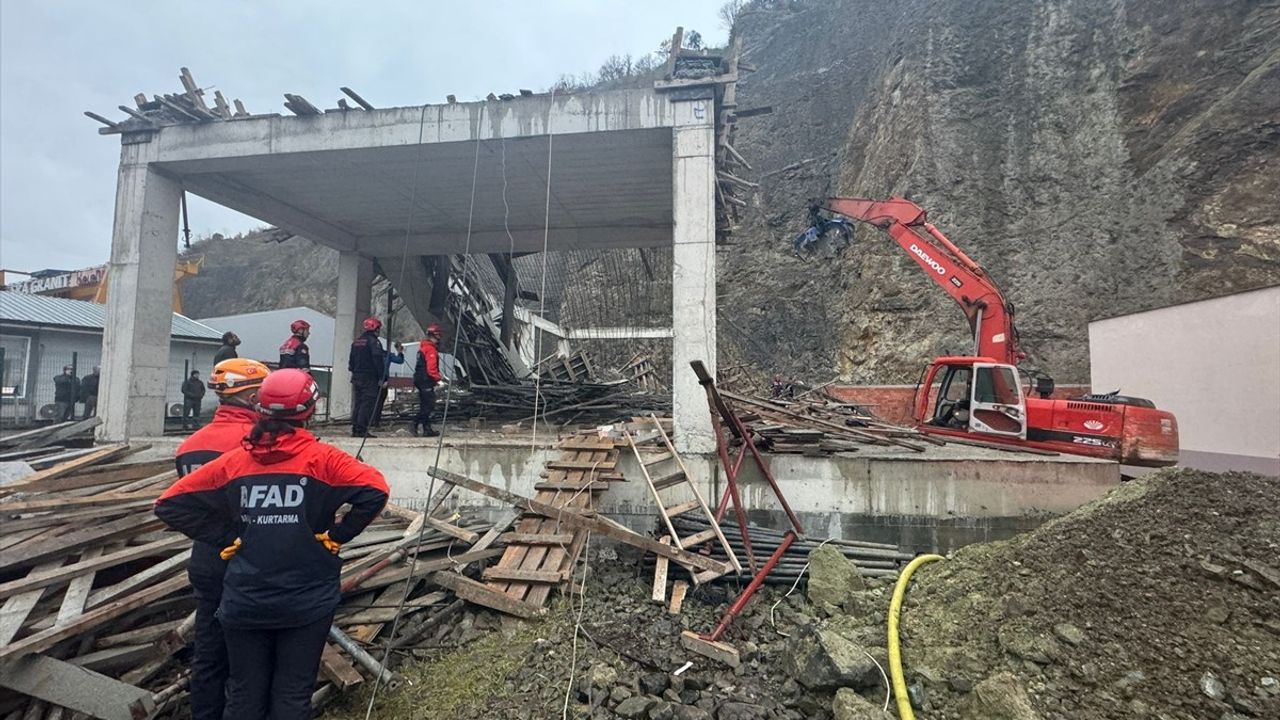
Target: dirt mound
1161,600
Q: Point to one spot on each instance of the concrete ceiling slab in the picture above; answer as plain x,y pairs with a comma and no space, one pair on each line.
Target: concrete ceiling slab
608,189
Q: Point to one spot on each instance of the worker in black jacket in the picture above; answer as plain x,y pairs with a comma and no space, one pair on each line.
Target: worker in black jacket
66,387
192,394
271,505
368,365
89,392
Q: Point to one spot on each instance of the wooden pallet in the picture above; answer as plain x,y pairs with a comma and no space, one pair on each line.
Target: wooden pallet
537,559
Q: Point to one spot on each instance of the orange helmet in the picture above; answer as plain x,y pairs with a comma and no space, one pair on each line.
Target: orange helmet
234,376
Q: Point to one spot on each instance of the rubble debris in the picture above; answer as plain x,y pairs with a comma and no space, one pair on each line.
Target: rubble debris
96,602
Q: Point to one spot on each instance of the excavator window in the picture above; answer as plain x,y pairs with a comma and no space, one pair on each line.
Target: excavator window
953,398
996,385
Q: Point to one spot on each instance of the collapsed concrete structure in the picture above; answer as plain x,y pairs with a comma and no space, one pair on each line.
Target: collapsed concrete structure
404,186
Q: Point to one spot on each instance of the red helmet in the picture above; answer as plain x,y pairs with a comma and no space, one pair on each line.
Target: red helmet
373,324
298,326
434,329
288,394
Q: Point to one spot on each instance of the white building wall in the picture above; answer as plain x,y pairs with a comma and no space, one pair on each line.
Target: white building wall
1215,364
51,349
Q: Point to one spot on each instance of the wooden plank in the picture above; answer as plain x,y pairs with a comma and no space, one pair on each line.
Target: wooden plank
660,574
718,651
683,508
107,453
479,594
151,574
59,433
41,641
678,591
29,554
589,444
514,538
574,519
335,668
597,466
32,434
16,608
462,534
572,486
80,689
93,477
76,503
540,576
77,594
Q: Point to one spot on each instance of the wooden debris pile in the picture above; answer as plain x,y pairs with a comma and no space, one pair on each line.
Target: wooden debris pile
96,606
818,426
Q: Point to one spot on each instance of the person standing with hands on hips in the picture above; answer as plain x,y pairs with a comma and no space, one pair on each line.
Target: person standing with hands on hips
271,505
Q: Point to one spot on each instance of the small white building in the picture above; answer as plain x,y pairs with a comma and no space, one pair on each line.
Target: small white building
1215,364
40,335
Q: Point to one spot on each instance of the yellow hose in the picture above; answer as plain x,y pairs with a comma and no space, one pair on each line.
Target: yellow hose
895,652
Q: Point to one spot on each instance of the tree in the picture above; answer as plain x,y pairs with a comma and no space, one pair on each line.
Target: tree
617,67
729,13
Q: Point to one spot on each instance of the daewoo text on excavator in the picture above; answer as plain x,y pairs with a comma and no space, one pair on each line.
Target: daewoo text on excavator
982,396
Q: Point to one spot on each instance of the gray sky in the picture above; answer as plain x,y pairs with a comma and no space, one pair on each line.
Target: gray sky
59,58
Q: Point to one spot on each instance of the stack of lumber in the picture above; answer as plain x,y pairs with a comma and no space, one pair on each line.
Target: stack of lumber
819,426
96,604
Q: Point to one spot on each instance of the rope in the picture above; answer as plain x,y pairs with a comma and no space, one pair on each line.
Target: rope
444,417
542,290
404,251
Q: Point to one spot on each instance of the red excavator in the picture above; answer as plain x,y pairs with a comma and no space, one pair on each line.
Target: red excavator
982,396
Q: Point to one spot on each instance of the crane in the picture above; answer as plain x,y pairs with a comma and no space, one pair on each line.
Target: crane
981,395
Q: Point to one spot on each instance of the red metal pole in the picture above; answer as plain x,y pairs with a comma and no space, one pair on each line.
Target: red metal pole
755,584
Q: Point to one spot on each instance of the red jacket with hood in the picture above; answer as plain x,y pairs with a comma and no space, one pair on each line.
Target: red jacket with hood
276,495
224,433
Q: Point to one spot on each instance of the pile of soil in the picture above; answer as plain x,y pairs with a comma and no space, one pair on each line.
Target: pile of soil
1162,600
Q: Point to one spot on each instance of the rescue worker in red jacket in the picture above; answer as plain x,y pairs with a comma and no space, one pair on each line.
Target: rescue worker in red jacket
426,377
236,384
271,505
294,353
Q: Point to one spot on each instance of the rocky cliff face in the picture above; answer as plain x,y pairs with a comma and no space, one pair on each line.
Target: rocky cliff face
1098,157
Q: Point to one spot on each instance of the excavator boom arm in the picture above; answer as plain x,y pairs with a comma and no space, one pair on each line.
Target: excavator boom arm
990,316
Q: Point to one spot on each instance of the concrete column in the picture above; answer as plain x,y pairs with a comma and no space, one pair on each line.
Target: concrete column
135,344
355,280
693,286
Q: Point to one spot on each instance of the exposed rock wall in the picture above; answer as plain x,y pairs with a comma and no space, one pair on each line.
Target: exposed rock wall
1099,157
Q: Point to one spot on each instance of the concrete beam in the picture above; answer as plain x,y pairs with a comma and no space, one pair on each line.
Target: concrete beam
527,240
355,281
228,193
413,283
135,343
693,281
620,333
396,127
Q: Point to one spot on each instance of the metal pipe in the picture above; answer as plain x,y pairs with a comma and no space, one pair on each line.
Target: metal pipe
755,584
365,660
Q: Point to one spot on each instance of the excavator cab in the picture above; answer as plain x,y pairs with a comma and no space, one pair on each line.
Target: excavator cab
975,395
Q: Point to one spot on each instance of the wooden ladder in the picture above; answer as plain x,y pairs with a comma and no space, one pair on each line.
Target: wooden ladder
662,488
